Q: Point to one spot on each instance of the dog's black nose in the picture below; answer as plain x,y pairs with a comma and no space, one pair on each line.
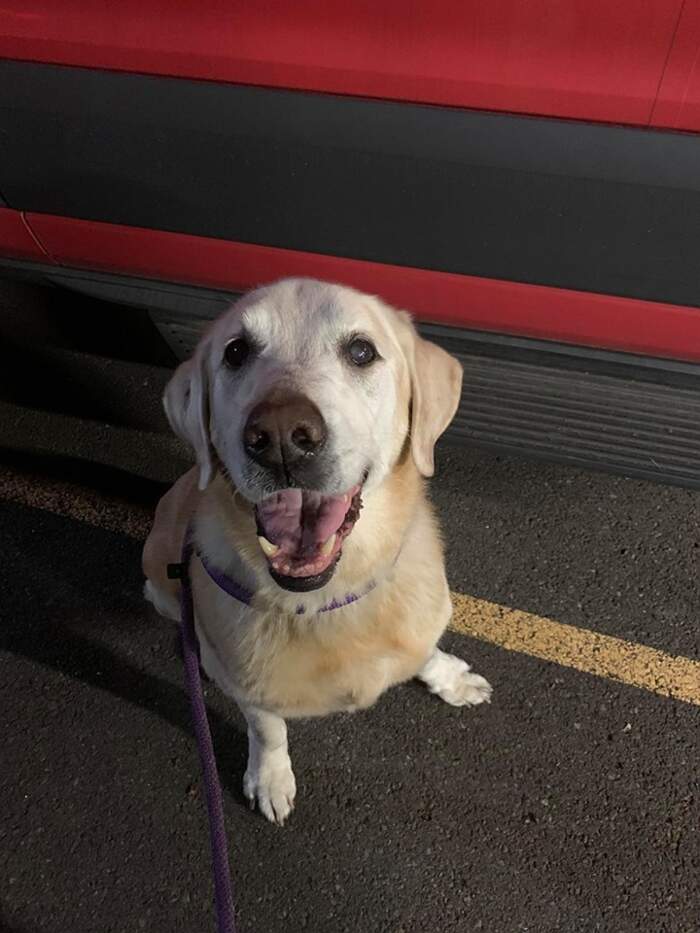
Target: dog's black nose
282,429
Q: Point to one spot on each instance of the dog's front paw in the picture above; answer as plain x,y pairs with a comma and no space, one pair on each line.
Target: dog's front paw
467,689
273,787
451,679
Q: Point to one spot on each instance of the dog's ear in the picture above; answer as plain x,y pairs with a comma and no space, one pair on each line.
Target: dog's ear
436,388
186,403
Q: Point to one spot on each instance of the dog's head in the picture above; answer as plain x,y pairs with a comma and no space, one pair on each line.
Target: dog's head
306,394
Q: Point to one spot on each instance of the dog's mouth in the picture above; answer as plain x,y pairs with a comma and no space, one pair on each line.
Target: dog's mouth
301,533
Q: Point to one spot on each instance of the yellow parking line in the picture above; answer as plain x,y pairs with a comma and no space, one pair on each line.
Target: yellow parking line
71,500
581,649
512,629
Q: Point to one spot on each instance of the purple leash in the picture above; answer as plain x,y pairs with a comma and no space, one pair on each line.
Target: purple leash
223,895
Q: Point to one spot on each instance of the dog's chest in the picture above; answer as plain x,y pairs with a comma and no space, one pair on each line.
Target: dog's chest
301,667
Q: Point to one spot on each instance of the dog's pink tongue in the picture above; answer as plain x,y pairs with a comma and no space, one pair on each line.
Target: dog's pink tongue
280,518
300,521
322,517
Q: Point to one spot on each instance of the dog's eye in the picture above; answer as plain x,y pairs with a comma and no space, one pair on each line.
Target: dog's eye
361,352
236,352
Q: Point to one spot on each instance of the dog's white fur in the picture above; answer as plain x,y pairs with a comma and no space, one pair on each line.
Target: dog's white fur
274,663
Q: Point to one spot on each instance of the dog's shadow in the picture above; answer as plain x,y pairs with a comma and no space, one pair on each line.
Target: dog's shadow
64,633
97,666
8,927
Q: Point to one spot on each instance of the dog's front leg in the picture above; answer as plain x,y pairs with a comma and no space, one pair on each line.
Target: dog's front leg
269,779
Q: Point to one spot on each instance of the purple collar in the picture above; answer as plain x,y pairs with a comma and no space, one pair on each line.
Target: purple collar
245,596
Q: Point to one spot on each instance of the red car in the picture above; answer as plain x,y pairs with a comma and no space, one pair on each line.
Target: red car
523,177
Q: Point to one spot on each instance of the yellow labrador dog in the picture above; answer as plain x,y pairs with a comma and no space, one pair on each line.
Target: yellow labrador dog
318,575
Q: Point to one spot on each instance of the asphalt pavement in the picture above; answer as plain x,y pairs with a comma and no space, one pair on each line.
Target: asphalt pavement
568,805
